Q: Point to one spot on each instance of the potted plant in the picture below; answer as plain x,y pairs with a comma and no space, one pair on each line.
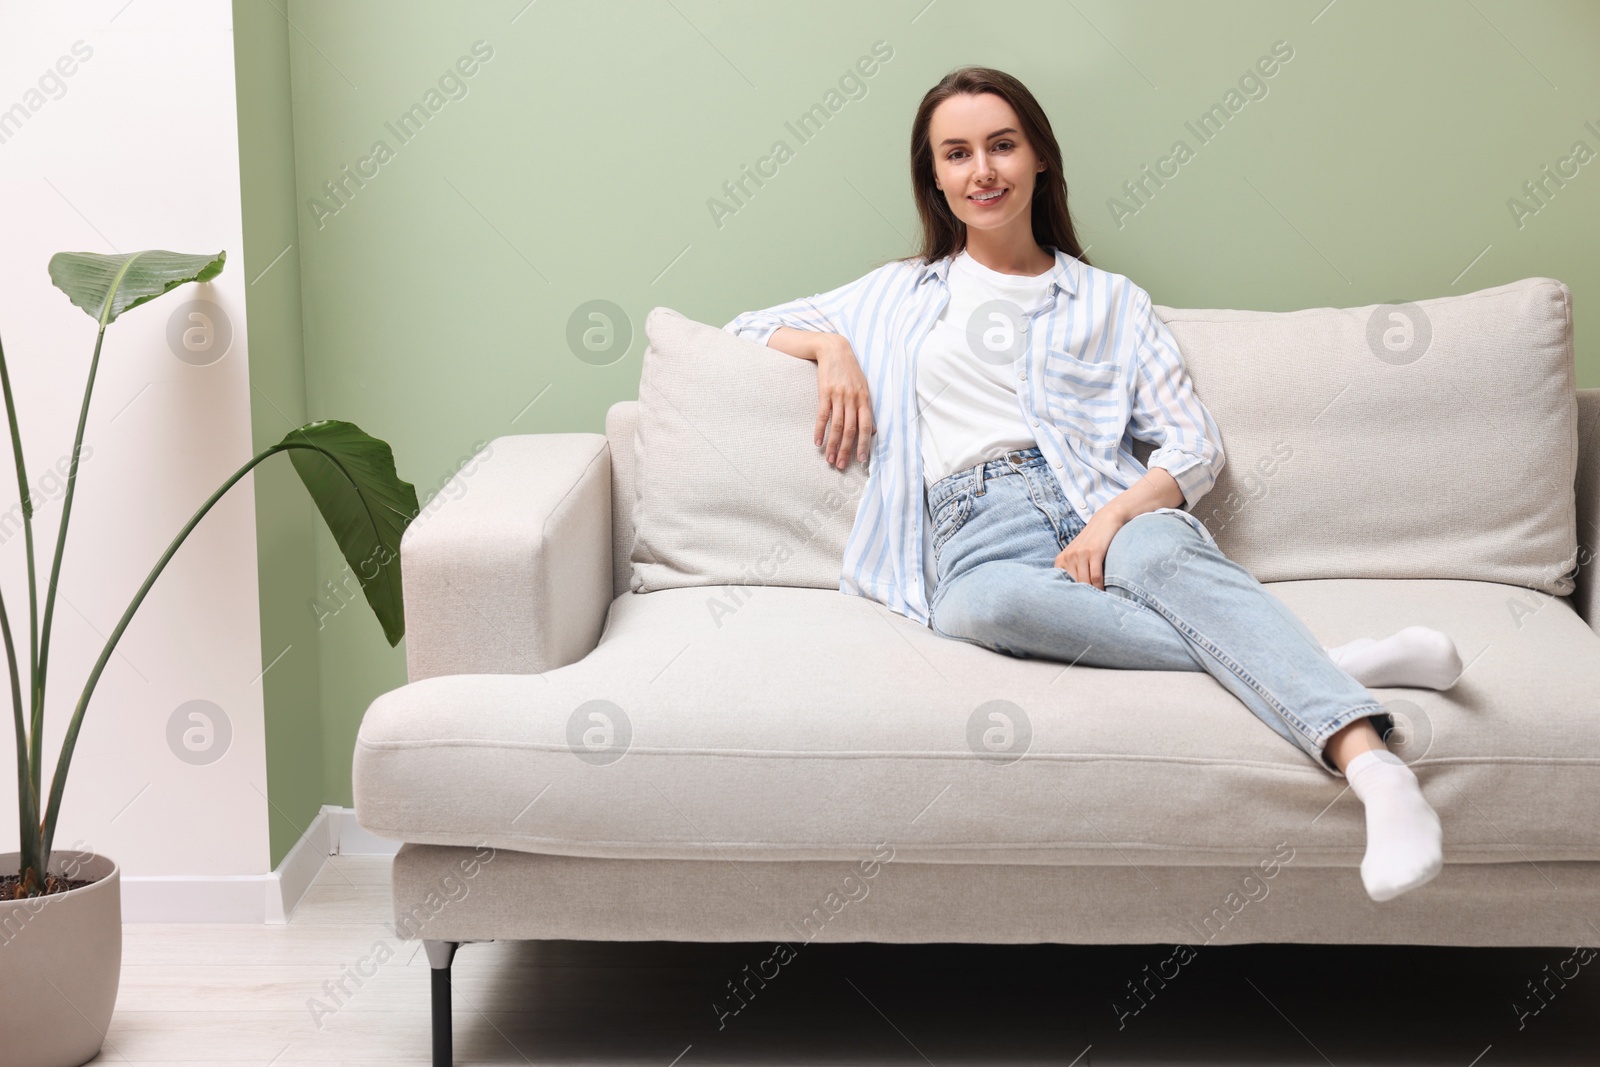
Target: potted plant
61,911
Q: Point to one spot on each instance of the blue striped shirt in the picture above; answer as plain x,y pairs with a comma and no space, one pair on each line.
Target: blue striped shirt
1101,371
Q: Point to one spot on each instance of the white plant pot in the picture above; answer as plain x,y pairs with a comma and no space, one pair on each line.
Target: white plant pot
60,961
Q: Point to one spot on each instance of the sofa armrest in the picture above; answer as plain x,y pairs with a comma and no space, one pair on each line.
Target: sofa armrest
1586,597
511,574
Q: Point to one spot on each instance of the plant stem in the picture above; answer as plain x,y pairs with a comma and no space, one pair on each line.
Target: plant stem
58,781
55,574
26,498
27,778
29,842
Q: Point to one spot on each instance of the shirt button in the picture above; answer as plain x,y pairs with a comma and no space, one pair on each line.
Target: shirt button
1058,464
1036,422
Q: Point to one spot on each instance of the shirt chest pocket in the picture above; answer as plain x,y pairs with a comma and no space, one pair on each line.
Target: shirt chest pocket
1088,401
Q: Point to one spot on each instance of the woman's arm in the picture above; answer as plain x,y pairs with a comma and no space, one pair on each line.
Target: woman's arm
1167,413
805,344
1188,454
823,329
1157,489
844,399
837,311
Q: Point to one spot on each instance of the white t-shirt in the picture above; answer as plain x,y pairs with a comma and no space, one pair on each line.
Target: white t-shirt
969,411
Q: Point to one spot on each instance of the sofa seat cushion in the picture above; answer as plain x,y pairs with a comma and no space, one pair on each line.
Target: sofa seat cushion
802,724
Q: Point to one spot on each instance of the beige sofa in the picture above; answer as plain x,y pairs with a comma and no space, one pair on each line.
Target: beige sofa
606,741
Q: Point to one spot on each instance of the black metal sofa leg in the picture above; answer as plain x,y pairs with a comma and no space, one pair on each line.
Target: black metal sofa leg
440,953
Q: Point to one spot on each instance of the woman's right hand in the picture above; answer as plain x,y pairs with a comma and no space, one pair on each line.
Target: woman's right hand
844,403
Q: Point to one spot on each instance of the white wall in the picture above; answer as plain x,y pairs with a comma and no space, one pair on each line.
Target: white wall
136,149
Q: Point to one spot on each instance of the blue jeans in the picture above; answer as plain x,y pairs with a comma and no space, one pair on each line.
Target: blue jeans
1172,601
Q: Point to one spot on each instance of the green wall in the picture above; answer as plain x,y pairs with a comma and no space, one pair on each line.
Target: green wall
285,516
579,164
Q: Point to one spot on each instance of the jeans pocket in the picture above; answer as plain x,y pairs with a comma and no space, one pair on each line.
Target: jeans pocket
950,517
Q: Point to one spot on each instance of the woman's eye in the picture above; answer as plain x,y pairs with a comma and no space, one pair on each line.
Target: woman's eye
998,146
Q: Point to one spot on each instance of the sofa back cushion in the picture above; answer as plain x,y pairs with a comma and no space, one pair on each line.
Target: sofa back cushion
730,489
1428,440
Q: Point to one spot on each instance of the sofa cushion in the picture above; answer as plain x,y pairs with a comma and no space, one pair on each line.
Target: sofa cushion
731,491
800,724
1429,440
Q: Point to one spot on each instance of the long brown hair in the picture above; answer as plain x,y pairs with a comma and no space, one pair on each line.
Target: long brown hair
942,233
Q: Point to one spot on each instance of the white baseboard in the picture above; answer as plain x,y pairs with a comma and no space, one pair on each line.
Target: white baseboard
251,898
350,839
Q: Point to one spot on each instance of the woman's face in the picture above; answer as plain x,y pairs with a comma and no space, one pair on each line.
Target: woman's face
979,150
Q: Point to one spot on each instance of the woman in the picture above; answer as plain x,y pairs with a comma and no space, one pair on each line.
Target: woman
1009,375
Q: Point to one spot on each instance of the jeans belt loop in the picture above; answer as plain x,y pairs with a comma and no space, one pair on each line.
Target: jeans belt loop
978,491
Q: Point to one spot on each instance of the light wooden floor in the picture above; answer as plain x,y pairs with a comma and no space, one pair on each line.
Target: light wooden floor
226,994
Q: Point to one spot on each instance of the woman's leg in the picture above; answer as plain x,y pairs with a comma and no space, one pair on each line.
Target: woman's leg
1405,843
1246,637
1228,614
1172,602
1032,609
996,539
1353,740
997,531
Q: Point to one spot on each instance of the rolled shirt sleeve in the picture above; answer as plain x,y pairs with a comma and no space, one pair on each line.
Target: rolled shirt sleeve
835,311
1167,413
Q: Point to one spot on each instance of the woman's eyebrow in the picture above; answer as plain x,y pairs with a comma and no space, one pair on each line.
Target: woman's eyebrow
963,140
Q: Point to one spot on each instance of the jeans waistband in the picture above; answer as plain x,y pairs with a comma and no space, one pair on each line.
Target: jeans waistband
973,477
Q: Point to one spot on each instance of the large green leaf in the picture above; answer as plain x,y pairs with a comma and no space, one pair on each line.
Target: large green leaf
367,507
106,286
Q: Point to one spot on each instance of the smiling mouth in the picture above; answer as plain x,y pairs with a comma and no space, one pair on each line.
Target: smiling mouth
986,201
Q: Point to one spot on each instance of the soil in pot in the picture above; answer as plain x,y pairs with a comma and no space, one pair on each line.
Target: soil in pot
11,883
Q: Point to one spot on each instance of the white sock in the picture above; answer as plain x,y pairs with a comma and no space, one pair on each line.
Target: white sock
1404,841
1417,657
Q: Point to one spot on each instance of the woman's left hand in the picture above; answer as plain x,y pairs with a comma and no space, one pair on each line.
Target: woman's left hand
1084,558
